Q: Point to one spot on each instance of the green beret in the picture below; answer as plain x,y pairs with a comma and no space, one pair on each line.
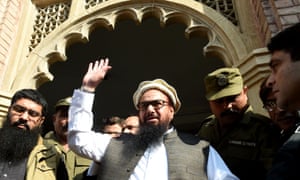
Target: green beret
223,82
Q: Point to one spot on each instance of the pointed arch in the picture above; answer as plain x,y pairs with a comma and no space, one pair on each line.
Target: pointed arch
224,38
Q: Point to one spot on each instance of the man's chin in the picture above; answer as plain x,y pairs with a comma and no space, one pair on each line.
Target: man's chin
152,123
17,142
230,117
285,105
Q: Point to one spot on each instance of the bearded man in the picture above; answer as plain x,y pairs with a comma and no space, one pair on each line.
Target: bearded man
157,151
22,152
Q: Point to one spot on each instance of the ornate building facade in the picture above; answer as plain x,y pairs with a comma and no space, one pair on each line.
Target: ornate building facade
36,35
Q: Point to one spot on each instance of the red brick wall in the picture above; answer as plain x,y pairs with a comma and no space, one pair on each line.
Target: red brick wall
288,11
262,20
272,16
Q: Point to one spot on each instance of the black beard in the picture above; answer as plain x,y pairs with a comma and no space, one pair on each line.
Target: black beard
16,143
150,134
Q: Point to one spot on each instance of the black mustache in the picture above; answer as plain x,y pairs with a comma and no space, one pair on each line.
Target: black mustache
65,127
229,112
21,122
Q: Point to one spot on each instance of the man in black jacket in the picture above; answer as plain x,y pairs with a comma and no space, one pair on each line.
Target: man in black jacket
285,83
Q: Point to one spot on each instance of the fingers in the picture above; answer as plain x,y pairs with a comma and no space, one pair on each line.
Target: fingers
103,62
98,64
96,73
90,67
106,61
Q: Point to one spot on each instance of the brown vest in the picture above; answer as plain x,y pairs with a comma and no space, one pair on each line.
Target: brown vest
187,157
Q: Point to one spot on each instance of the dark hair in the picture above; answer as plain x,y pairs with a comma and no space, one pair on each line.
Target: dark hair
33,95
112,120
133,113
287,40
264,91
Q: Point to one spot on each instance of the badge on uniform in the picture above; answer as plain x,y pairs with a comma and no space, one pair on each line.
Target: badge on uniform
222,80
242,143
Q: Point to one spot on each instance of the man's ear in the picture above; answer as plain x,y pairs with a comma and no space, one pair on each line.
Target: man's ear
172,110
9,109
54,117
245,89
42,121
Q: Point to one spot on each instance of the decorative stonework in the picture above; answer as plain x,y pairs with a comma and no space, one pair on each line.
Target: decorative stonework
92,3
47,19
225,7
9,18
53,15
61,24
198,18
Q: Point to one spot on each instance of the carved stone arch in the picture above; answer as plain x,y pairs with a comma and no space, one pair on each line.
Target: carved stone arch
224,38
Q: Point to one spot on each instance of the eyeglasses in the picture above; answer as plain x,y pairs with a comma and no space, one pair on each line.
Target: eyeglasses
156,104
270,105
18,109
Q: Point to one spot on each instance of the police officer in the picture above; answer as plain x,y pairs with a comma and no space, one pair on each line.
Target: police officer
241,136
75,165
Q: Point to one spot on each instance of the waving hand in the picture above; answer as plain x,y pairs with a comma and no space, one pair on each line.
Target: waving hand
95,74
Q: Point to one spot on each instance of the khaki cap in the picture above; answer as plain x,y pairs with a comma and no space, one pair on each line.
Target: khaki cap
223,82
63,102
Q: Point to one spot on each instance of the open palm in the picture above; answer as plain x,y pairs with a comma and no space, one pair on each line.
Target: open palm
95,74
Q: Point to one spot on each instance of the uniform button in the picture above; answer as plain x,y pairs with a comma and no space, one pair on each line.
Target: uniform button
4,175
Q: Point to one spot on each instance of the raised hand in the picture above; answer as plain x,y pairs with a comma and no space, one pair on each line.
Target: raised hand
95,74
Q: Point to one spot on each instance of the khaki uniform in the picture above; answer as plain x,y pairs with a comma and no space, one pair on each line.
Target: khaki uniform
75,164
247,148
42,162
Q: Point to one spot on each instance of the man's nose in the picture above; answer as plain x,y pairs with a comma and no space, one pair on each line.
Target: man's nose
270,81
150,108
228,105
25,115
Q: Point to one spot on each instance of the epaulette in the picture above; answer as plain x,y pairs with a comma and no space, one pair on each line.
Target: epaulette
208,120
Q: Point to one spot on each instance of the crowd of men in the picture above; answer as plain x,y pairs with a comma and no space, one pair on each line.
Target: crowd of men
233,143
